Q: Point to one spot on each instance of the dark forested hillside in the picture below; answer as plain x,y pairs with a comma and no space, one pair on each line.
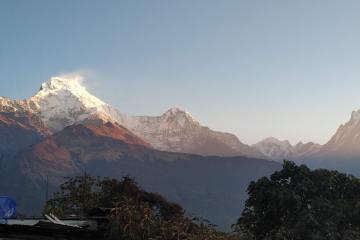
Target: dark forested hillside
210,187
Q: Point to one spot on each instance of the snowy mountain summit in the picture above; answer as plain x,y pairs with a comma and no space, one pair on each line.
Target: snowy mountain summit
274,148
177,118
63,101
176,130
278,150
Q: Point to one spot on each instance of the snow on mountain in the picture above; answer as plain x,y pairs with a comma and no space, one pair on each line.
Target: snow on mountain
172,121
275,149
278,150
63,101
172,126
9,105
177,131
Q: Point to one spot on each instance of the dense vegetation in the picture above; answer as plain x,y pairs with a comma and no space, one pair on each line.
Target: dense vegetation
297,203
132,213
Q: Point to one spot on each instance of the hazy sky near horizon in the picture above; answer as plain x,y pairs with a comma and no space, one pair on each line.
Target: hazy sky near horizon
288,69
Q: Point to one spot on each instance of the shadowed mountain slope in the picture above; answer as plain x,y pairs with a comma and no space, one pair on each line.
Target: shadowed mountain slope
19,130
212,187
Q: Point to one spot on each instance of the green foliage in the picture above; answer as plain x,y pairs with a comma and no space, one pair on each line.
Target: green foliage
77,196
297,203
133,221
134,213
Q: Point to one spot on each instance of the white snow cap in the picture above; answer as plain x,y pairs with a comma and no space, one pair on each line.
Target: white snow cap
56,82
71,84
180,115
63,101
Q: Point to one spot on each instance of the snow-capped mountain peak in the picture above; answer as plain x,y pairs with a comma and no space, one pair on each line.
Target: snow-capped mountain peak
174,111
274,148
64,101
279,150
178,117
68,86
61,82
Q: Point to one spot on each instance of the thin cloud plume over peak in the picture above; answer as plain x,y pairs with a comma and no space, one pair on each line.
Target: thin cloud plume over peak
80,76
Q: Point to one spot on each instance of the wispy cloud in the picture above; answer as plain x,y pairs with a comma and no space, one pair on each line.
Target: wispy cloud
78,75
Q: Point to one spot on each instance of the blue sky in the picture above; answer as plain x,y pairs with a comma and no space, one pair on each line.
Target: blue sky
288,69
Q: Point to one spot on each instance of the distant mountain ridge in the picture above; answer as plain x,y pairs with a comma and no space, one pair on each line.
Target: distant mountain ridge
278,150
177,131
346,140
64,101
341,152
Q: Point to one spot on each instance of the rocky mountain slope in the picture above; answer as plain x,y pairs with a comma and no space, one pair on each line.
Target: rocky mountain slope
346,140
342,151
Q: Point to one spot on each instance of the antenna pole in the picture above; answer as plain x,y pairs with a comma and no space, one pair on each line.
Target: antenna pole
47,188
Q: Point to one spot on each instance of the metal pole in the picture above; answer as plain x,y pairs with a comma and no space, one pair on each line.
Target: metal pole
47,188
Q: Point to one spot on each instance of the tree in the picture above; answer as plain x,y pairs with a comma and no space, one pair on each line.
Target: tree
77,196
134,214
297,203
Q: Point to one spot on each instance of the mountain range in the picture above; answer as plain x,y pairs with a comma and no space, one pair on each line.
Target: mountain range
341,152
63,130
63,101
278,150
